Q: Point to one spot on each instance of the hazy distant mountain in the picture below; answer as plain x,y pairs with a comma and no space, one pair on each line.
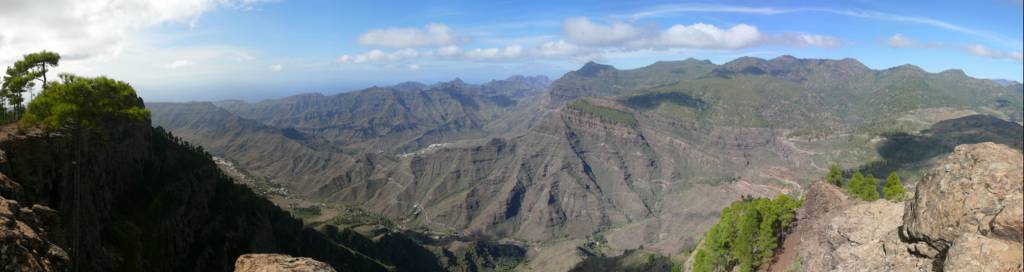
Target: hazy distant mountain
643,157
1005,82
403,117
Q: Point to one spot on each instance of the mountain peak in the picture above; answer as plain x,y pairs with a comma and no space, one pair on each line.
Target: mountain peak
409,86
592,68
785,59
907,67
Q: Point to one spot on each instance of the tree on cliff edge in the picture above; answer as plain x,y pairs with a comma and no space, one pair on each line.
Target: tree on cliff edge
21,77
81,102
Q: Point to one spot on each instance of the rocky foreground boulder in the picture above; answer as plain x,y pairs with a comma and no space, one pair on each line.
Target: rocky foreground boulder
279,263
969,210
838,233
965,215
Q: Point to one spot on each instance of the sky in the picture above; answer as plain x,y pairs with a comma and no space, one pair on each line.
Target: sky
187,50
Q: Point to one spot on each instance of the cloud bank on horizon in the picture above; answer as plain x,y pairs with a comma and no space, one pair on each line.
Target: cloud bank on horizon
214,49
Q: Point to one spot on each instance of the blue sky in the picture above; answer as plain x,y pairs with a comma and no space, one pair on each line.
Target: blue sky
257,49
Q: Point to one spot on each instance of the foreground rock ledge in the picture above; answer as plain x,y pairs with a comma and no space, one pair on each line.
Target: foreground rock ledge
965,215
278,263
977,189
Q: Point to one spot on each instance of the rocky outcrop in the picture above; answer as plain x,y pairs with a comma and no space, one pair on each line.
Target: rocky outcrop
26,238
835,232
965,215
865,237
969,209
978,189
278,263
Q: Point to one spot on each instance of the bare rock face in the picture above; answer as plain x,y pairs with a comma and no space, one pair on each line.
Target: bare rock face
838,234
978,189
25,242
973,252
278,263
865,237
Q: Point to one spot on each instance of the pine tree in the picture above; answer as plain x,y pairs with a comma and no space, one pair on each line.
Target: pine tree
855,185
21,77
869,189
835,175
893,189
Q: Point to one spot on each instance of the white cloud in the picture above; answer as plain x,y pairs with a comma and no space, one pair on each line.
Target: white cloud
276,67
865,14
413,66
1018,56
509,52
813,40
581,30
558,48
707,36
587,40
982,51
449,51
898,41
84,29
376,55
429,36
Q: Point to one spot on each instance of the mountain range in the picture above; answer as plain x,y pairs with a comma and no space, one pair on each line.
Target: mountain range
599,162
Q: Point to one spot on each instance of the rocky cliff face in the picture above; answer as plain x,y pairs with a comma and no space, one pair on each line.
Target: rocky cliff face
965,216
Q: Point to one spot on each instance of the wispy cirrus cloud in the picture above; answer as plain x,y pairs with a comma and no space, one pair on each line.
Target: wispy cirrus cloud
664,10
900,41
982,51
625,36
